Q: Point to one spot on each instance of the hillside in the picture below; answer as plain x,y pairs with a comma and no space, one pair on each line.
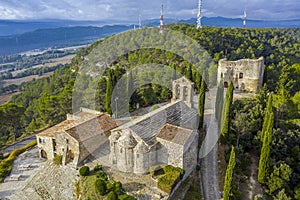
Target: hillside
45,102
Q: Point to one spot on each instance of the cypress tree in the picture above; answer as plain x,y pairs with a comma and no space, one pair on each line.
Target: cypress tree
219,101
264,160
226,111
108,94
189,73
174,76
266,120
201,104
229,174
129,84
197,80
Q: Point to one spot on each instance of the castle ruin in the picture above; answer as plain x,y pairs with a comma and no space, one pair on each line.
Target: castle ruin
245,74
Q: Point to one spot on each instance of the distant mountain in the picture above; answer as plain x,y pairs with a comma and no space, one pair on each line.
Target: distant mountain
15,27
55,38
19,36
236,22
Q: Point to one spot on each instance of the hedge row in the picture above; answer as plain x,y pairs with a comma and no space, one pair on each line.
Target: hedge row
167,175
168,181
6,165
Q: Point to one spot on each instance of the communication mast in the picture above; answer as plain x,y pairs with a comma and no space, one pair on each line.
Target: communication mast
245,18
199,25
140,22
161,27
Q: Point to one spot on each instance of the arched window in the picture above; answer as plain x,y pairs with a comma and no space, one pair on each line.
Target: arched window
185,93
177,92
241,75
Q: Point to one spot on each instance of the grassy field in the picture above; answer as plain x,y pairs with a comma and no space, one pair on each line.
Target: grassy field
87,186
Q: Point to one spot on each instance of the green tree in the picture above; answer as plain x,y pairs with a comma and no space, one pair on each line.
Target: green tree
264,160
229,175
281,196
297,194
189,72
227,111
266,120
11,119
219,101
130,85
100,186
201,104
109,89
278,177
112,196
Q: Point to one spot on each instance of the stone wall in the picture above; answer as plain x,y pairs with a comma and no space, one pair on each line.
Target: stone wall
183,89
174,153
246,74
190,154
45,144
68,147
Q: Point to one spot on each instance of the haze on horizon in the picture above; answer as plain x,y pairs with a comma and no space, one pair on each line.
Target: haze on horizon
128,10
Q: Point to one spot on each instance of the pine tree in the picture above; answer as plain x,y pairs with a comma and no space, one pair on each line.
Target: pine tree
109,88
201,104
227,111
229,174
264,160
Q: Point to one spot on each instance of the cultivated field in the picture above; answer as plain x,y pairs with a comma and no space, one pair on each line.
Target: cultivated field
50,63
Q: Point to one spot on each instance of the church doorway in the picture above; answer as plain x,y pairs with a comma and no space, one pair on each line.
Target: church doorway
225,84
43,154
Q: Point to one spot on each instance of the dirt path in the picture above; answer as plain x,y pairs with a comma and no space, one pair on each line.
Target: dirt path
253,185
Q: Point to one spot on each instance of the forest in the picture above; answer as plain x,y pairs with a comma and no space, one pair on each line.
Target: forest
45,102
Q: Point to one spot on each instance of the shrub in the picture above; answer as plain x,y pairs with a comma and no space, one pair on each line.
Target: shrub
167,181
170,169
102,175
110,186
57,159
84,171
126,197
6,165
118,186
100,186
112,196
97,168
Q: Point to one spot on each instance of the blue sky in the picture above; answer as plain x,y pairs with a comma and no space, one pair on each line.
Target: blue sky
130,9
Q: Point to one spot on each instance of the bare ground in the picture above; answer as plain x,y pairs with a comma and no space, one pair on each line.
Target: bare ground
252,186
6,97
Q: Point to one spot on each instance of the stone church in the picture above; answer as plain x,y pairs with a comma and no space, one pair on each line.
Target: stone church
167,135
246,74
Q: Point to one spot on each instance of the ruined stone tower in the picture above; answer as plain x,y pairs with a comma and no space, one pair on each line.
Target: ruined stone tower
246,74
